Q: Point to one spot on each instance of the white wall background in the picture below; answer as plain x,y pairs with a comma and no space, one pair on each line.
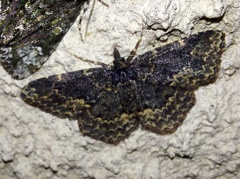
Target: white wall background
34,144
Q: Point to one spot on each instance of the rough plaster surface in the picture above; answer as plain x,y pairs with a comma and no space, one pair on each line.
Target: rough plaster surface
34,144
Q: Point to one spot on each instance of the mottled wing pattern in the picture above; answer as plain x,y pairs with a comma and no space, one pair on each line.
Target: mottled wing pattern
31,30
86,95
192,62
166,109
156,90
171,73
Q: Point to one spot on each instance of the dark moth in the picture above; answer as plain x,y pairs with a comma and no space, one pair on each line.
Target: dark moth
155,90
30,30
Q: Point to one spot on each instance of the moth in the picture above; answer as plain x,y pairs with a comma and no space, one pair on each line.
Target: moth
31,30
155,90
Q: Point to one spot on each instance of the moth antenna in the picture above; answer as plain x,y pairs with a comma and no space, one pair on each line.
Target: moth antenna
89,61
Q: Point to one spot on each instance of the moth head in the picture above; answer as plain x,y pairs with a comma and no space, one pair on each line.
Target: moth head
119,62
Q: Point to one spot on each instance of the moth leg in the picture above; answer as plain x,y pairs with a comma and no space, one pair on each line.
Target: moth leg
105,4
89,17
169,117
133,52
81,19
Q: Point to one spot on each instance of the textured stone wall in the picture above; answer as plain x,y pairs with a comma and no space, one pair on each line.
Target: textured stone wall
34,144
